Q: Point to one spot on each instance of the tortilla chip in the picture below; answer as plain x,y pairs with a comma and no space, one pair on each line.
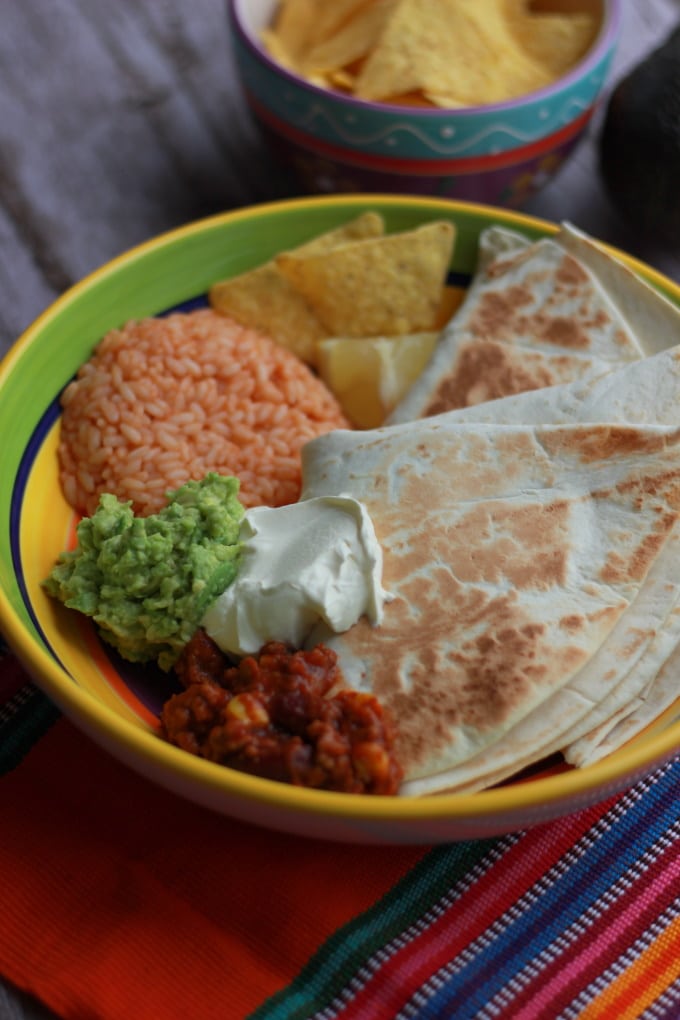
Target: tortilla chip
555,41
446,53
463,51
263,299
444,101
383,286
342,80
352,42
292,28
277,50
332,15
410,99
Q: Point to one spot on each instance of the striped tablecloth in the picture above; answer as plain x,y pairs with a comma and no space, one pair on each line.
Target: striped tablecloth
100,870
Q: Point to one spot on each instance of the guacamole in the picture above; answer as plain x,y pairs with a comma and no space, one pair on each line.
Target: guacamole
146,581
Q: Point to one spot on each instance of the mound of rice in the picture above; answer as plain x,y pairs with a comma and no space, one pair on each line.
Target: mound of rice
166,400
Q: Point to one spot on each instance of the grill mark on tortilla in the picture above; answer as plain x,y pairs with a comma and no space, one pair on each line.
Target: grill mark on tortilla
570,273
489,542
618,568
502,315
638,638
491,674
486,469
434,668
488,370
665,484
488,676
562,332
600,442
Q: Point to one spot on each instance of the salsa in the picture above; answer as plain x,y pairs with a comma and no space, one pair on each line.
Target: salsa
272,715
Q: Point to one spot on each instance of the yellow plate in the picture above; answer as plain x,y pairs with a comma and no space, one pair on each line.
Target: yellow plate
117,704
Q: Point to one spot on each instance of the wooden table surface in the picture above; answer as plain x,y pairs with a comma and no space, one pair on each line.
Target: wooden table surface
122,120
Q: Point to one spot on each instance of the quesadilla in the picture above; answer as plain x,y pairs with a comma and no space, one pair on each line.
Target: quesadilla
590,704
645,710
630,696
627,680
513,554
471,663
641,392
536,315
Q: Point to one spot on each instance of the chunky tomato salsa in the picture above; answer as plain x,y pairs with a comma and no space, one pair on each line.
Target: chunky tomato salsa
272,715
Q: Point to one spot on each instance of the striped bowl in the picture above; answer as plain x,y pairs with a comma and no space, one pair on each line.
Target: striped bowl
500,154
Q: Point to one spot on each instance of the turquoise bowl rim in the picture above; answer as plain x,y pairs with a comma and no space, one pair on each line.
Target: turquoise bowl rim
310,114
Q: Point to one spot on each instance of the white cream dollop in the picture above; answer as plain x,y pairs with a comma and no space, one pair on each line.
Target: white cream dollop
313,562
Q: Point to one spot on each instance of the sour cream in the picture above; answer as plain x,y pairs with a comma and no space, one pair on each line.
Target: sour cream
313,562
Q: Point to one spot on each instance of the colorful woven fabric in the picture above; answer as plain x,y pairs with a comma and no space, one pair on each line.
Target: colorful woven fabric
121,900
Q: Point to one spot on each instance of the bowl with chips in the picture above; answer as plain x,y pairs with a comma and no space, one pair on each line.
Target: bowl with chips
529,591
476,101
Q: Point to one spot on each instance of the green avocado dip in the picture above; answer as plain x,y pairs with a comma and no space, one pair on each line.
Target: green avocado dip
147,581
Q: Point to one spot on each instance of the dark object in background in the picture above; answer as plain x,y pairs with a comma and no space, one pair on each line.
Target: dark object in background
640,145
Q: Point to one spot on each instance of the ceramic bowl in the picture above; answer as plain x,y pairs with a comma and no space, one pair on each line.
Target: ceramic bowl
500,154
118,704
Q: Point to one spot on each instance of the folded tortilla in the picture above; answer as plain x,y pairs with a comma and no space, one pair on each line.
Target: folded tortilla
581,721
644,712
644,392
585,712
514,553
616,724
616,351
593,701
537,315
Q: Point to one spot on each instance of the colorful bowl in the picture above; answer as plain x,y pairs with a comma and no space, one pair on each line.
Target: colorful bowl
501,153
117,704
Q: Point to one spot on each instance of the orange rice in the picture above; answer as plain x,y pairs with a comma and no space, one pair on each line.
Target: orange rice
163,401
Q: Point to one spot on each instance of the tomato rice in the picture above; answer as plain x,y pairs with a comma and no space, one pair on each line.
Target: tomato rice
165,400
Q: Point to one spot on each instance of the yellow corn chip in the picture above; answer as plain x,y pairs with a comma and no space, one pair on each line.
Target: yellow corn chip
556,41
263,299
342,79
446,53
292,28
458,48
410,99
276,49
352,41
332,15
446,102
383,286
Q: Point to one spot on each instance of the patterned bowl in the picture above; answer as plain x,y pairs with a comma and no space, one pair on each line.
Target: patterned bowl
116,703
500,154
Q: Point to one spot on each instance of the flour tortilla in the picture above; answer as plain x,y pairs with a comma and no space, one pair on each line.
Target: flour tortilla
635,716
587,709
650,316
539,314
628,679
644,392
512,553
612,684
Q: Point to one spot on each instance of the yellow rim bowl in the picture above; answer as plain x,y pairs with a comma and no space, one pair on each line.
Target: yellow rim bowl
61,653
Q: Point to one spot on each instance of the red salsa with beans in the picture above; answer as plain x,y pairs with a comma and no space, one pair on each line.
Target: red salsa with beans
272,716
